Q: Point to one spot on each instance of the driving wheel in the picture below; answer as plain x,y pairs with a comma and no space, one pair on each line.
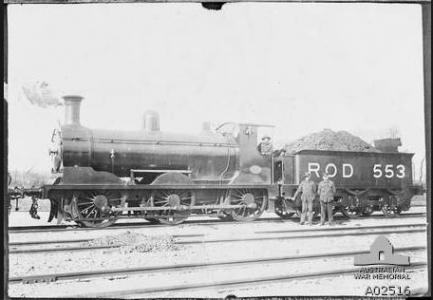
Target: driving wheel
253,203
177,203
93,208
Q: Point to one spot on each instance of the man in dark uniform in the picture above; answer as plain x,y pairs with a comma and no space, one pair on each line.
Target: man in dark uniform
308,189
326,193
265,147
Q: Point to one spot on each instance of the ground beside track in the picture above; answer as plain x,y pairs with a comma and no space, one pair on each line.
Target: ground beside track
114,258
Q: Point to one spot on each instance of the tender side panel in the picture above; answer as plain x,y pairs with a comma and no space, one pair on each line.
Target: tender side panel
393,170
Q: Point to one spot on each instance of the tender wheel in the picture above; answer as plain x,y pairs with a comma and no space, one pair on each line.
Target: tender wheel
368,210
351,213
390,211
95,208
352,210
179,199
281,209
254,202
390,208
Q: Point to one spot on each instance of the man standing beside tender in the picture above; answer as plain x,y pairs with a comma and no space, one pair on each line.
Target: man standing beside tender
308,189
326,193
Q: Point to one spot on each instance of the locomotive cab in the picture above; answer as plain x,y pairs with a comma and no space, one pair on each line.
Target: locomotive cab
255,165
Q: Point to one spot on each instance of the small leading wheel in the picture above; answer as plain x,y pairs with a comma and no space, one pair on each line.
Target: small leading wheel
93,208
253,203
178,200
281,209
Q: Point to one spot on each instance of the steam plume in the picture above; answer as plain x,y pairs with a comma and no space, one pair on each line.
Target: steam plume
40,94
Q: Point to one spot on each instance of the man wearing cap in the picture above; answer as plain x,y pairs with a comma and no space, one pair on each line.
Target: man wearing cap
265,146
308,189
326,191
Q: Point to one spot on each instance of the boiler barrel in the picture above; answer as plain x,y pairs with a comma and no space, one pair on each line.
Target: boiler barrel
207,156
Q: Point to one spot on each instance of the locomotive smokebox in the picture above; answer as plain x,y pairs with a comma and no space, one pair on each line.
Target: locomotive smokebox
151,121
72,109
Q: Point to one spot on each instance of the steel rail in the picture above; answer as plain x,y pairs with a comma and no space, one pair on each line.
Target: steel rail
53,228
159,268
232,283
33,229
263,238
296,230
206,241
338,228
47,242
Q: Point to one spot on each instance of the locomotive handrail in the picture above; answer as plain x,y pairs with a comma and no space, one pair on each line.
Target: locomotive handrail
160,171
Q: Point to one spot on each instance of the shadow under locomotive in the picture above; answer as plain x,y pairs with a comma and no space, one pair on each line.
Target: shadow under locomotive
165,177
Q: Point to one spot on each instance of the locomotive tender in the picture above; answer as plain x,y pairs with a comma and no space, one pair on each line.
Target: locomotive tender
163,177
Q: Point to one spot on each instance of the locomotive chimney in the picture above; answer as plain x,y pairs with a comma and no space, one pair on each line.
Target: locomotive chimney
150,121
72,109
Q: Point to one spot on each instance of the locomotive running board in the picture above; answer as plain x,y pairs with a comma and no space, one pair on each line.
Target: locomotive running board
154,187
47,189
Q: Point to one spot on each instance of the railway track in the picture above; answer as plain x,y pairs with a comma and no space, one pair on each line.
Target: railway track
57,228
327,235
233,283
179,267
20,247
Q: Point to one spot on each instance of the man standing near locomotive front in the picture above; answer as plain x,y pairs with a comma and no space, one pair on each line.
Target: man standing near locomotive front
326,191
308,189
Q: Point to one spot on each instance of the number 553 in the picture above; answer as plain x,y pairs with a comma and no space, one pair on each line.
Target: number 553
389,171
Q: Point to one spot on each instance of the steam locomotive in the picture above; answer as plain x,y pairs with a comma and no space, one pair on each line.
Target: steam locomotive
104,175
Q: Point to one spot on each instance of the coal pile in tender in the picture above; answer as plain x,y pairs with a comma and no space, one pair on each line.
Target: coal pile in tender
329,140
130,242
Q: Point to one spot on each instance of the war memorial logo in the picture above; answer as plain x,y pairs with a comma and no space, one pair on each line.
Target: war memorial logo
382,264
381,253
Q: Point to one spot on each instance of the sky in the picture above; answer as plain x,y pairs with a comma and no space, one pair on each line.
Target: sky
300,67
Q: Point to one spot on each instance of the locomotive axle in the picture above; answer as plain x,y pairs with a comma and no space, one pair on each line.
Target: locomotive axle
184,207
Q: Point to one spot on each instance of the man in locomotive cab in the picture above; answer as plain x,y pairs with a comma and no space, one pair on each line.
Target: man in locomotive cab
308,189
265,147
326,191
